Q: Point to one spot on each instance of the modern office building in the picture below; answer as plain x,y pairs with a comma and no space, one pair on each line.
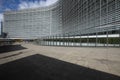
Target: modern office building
33,23
90,21
90,16
67,16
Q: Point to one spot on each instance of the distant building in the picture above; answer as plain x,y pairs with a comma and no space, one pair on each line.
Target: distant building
33,23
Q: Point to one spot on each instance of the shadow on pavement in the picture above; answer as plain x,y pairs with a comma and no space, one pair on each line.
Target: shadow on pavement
11,55
9,48
39,67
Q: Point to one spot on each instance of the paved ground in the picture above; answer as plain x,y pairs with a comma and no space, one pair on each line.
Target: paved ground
59,63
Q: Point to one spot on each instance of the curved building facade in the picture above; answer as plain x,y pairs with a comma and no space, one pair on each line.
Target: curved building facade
90,16
88,23
73,17
32,23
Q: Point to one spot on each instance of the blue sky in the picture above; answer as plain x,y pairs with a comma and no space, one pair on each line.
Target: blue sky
11,5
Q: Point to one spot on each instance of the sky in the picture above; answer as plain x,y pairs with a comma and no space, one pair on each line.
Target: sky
11,5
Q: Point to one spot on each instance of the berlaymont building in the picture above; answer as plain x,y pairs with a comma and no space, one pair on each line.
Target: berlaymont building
33,23
68,23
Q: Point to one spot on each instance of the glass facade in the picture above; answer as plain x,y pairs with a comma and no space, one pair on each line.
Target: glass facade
32,23
90,16
69,23
88,23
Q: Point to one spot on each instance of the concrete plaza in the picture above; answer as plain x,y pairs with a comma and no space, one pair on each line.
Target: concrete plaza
103,60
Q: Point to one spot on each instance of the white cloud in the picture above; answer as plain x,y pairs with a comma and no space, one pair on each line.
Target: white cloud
36,4
26,5
49,2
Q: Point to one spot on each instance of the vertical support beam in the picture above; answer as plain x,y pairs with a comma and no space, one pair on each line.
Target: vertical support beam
63,40
53,40
96,39
104,39
56,40
60,39
57,37
41,41
45,40
80,39
88,39
50,23
74,40
99,41
119,36
107,23
68,39
107,38
50,40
